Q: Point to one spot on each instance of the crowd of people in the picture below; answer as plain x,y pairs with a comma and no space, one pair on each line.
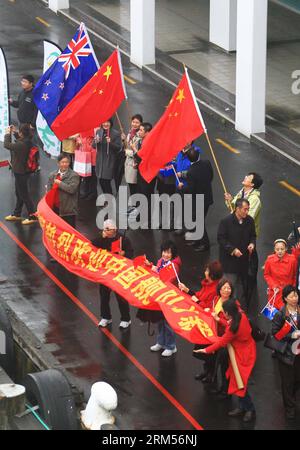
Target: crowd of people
226,290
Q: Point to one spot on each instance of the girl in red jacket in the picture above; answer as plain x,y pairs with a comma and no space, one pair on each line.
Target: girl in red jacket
166,336
238,334
280,270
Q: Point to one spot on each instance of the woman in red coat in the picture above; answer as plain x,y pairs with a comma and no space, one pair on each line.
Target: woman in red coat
238,334
207,294
280,270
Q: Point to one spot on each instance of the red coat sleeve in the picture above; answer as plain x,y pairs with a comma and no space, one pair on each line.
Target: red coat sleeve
227,337
267,275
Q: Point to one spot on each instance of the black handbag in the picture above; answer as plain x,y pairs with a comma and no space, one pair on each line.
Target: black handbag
257,334
273,343
201,356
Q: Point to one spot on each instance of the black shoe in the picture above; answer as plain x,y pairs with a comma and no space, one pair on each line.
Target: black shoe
236,412
200,376
249,416
207,380
222,395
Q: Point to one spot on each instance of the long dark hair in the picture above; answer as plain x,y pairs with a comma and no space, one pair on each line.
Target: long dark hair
231,308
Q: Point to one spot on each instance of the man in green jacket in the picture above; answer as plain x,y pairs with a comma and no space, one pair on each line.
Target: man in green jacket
251,184
250,191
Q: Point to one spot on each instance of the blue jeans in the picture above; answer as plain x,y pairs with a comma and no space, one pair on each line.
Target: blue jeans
166,336
245,403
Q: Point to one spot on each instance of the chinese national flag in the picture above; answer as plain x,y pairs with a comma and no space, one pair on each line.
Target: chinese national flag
283,331
167,273
116,246
139,261
181,123
95,103
4,163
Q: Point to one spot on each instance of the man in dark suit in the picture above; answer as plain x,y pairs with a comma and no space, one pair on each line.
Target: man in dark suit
237,241
199,181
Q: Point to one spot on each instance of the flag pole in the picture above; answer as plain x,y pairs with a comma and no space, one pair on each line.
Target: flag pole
206,134
175,174
120,123
175,272
129,111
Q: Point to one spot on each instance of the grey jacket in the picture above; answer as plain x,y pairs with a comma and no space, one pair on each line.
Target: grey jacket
107,155
68,192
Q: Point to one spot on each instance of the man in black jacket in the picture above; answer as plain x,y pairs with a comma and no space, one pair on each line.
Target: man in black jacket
199,181
19,156
27,110
105,240
237,240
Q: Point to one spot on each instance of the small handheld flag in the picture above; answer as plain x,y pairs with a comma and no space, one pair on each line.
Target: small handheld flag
283,331
116,246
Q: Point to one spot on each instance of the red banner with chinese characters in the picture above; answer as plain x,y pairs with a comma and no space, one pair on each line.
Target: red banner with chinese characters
139,286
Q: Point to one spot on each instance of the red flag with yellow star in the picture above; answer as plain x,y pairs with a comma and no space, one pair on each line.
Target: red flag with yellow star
96,102
180,124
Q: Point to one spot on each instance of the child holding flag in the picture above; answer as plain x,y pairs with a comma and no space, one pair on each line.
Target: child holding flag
167,267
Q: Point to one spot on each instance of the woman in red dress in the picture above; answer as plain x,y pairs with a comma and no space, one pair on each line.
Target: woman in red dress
238,334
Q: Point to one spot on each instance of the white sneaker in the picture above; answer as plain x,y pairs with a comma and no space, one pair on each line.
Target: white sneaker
124,324
104,322
167,352
155,348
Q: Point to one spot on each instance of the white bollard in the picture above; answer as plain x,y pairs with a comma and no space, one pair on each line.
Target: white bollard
102,401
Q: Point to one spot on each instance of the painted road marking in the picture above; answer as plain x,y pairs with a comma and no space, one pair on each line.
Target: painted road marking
290,187
129,80
43,22
108,334
231,149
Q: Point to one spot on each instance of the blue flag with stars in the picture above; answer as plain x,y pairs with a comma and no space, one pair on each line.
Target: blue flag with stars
66,76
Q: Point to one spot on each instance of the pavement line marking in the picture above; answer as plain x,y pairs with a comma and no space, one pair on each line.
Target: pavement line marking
108,334
43,22
231,149
129,80
290,187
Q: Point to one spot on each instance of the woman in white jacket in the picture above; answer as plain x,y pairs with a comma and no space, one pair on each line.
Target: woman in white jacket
130,146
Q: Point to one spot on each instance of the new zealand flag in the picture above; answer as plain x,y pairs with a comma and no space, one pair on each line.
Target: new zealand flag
269,311
66,76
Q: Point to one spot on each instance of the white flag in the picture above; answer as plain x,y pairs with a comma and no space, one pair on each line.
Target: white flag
51,143
4,107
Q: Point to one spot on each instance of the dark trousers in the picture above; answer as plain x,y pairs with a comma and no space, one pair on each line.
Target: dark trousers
22,194
105,186
88,186
105,308
245,403
290,381
205,238
240,283
71,220
221,364
133,188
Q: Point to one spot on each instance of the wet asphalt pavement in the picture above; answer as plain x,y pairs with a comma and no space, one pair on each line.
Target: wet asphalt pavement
84,351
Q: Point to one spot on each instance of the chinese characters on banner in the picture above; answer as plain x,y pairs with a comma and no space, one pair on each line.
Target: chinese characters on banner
140,287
